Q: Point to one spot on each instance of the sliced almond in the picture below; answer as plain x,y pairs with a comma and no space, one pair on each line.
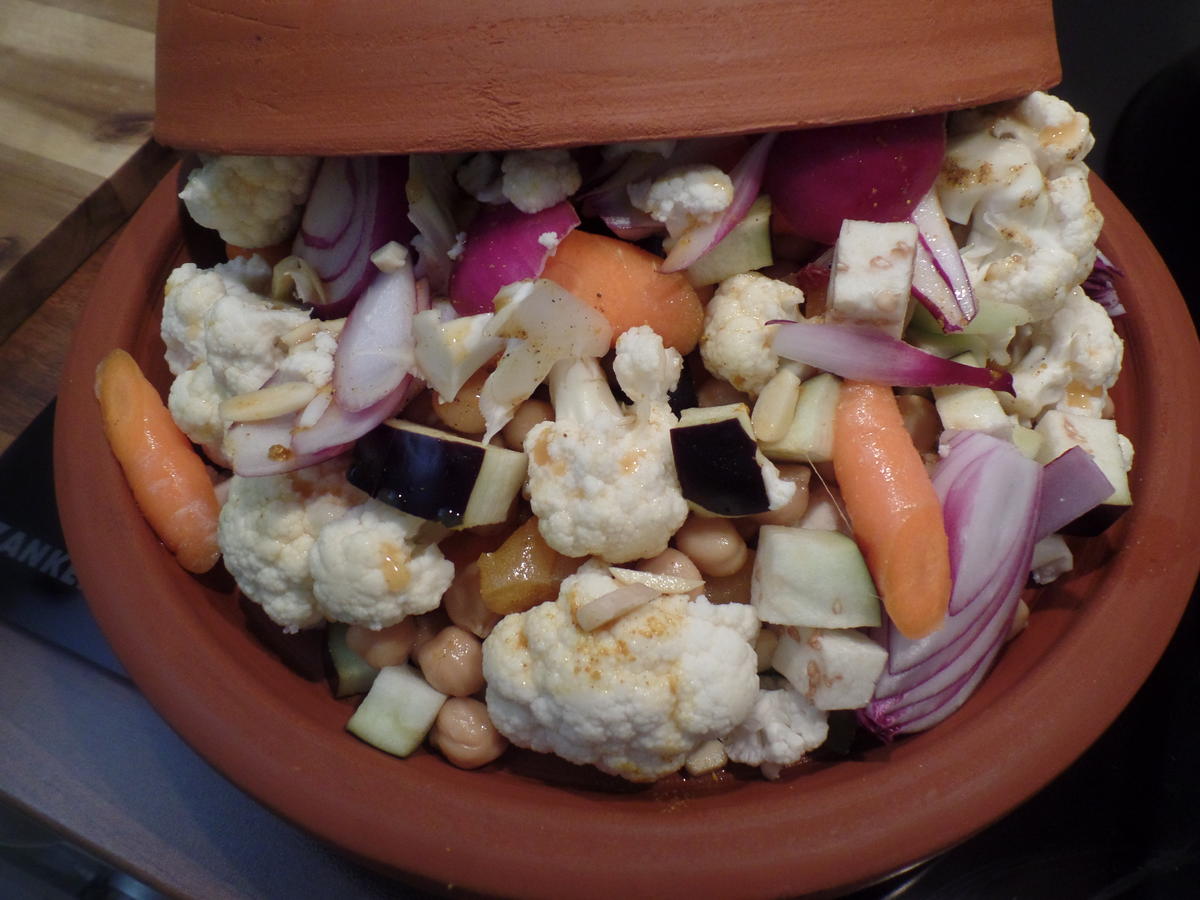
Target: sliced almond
268,403
663,584
611,606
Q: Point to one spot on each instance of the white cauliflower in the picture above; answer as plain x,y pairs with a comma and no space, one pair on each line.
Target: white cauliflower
369,569
311,359
1014,174
194,402
635,698
736,342
241,339
531,180
534,180
783,726
190,293
684,197
252,201
267,527
603,483
1068,361
223,338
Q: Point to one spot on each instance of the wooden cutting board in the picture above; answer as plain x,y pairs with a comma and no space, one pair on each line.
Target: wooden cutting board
76,155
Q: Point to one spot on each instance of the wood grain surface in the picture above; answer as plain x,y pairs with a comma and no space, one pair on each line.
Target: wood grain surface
76,155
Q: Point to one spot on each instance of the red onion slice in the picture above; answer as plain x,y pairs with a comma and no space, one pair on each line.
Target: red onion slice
375,350
747,178
357,205
505,245
864,353
929,287
1072,484
266,448
939,243
990,494
1101,285
874,171
341,427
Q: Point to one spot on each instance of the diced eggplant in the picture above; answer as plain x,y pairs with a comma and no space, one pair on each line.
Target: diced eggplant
437,475
397,712
812,578
809,436
1060,431
717,461
746,248
351,673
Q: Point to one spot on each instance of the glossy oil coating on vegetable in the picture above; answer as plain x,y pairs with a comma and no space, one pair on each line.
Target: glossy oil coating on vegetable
650,455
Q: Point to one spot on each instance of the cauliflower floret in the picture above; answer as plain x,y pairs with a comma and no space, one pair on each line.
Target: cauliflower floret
252,201
369,569
684,197
311,360
634,698
241,339
190,293
603,483
194,402
1014,174
736,342
267,527
1069,360
783,726
531,180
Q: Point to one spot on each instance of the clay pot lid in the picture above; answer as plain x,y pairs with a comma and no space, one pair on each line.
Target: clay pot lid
358,76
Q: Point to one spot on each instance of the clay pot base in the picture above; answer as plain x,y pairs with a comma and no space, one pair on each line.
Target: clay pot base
539,827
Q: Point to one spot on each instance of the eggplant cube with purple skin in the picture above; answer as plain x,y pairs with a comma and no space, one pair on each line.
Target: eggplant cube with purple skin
720,468
871,279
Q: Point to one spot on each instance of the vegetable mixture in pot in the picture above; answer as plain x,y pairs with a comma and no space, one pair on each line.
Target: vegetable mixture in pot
650,455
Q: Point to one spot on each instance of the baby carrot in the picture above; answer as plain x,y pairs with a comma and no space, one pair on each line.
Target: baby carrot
624,283
895,513
168,479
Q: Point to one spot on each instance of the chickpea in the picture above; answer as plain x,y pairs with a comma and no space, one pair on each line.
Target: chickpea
716,392
792,511
463,732
713,544
921,420
462,414
531,412
464,605
386,647
452,662
673,562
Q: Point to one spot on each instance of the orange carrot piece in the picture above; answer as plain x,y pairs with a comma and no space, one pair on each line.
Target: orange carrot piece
169,480
895,512
624,283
